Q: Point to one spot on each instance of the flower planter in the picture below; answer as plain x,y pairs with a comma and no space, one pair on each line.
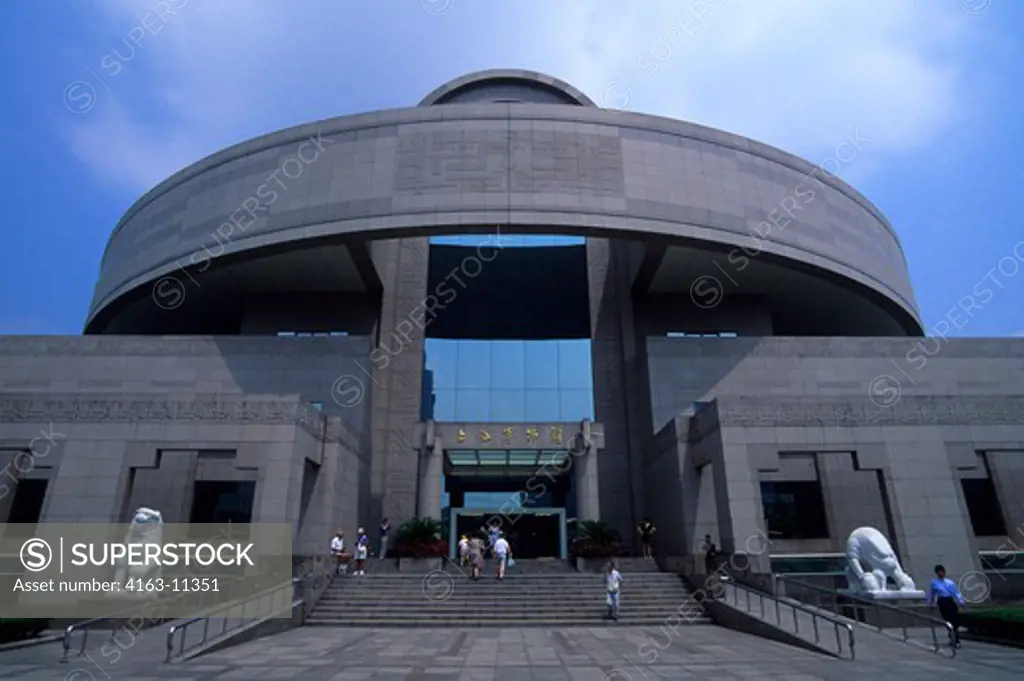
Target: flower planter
421,565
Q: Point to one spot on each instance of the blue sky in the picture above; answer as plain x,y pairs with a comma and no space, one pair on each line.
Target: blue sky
937,85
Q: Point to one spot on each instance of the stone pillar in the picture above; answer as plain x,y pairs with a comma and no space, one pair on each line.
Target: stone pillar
584,467
431,471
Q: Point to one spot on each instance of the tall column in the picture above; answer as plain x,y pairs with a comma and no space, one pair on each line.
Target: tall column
584,467
431,472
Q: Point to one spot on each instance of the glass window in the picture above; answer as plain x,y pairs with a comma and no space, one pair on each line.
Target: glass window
473,368
554,458
575,405
523,458
508,405
461,457
794,510
442,358
492,458
516,381
574,370
987,518
444,405
508,364
543,405
472,405
542,365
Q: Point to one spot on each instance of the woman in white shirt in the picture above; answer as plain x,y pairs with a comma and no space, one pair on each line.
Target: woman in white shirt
613,580
338,551
502,551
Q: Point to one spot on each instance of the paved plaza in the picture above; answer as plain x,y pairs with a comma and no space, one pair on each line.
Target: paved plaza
706,653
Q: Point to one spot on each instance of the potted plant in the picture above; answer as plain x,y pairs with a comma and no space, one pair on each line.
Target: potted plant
419,545
596,542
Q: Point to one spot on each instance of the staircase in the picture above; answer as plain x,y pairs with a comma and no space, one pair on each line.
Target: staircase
534,593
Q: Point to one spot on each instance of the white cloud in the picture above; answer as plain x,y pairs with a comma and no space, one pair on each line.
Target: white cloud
801,74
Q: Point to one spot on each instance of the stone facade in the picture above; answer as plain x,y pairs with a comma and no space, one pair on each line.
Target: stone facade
754,410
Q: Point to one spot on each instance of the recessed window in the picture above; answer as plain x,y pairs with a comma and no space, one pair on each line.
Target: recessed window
794,510
987,518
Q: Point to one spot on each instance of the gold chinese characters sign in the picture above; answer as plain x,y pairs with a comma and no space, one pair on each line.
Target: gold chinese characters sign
508,435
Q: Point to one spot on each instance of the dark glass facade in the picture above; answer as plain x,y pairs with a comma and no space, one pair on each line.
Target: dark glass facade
507,380
519,381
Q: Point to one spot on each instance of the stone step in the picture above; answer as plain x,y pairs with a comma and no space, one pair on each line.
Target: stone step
592,621
492,586
427,606
510,599
557,599
513,575
531,580
521,613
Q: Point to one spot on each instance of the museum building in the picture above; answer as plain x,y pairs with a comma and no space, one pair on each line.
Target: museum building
509,300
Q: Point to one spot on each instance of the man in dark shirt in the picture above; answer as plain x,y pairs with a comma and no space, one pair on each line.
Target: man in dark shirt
646,529
710,554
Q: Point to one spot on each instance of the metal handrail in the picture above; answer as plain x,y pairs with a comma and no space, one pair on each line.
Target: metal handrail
837,623
879,607
85,625
205,617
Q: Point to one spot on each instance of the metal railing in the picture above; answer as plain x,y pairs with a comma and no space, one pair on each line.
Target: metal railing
838,624
860,605
242,618
86,625
114,619
301,592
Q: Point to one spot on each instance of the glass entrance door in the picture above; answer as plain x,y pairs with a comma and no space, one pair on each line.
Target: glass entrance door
533,533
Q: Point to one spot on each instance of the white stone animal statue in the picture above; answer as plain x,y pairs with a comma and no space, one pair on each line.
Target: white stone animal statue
146,528
870,560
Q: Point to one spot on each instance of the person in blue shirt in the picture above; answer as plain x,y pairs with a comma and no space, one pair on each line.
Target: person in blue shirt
948,596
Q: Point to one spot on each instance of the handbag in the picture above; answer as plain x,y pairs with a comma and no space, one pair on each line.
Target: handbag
511,563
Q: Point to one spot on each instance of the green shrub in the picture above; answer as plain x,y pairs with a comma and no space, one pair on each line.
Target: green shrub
595,539
420,538
598,531
1005,623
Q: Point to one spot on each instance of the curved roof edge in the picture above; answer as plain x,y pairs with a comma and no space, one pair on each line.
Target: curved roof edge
532,77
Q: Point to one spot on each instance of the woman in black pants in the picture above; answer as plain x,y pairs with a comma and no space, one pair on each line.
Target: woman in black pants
646,529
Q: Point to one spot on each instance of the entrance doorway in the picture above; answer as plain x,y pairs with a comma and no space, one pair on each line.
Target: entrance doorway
533,533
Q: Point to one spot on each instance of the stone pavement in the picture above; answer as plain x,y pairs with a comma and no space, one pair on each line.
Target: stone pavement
585,654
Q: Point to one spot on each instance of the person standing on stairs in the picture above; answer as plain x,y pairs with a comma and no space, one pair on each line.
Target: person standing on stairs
338,552
646,529
502,551
612,581
476,556
385,526
710,555
362,549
